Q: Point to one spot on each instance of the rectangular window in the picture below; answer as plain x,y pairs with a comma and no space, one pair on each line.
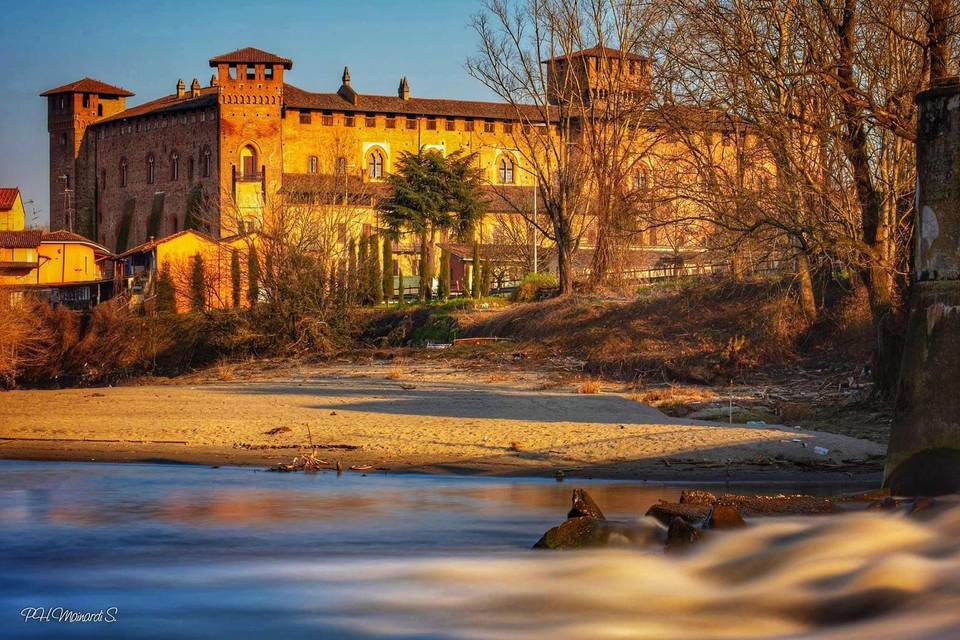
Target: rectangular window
508,127
327,120
86,101
411,123
312,164
306,117
190,168
251,72
468,125
342,233
391,121
268,72
370,121
431,124
488,127
451,124
349,121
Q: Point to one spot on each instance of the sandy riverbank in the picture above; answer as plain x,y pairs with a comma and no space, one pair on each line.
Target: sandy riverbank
418,417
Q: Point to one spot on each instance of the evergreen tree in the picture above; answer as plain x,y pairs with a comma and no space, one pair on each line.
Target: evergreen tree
253,276
193,216
166,291
363,271
475,271
400,297
351,275
197,284
444,290
388,269
376,275
235,276
431,193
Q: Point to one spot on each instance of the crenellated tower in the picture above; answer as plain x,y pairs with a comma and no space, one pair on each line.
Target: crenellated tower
71,108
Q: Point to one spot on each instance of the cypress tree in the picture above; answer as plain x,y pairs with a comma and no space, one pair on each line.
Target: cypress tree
423,293
475,271
166,291
363,271
400,298
351,275
388,269
235,276
197,284
253,276
376,274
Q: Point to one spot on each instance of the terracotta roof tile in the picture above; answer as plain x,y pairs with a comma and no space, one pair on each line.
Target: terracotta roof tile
166,104
298,98
8,195
89,85
29,239
251,54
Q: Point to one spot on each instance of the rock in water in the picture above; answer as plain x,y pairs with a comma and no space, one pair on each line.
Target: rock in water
591,533
681,535
665,512
725,516
584,506
695,496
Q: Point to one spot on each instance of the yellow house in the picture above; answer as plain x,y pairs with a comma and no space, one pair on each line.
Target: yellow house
11,209
175,256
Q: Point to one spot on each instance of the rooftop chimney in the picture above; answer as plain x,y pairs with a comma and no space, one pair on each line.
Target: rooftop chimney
195,88
346,91
181,88
404,90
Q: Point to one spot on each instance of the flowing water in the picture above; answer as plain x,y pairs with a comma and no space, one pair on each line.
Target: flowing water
193,552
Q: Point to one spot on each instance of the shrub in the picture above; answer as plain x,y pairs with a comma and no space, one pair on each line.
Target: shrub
535,286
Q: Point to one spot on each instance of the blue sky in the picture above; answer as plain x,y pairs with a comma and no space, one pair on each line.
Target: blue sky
147,48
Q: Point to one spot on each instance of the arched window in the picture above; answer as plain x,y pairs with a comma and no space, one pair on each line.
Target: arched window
175,166
103,179
505,170
313,164
341,167
375,164
248,162
190,168
640,179
205,164
123,172
151,169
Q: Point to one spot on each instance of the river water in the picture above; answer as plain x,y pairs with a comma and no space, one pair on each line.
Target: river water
193,552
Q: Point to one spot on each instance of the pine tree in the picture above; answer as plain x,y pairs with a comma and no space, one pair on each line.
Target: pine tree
376,274
197,284
388,290
235,276
475,271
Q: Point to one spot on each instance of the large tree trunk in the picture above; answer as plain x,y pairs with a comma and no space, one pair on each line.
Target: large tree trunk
807,298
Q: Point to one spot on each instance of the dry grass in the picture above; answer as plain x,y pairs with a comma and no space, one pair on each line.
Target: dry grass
395,374
676,400
589,387
225,371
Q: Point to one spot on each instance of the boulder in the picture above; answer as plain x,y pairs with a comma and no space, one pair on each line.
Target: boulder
666,512
592,533
724,516
584,506
681,535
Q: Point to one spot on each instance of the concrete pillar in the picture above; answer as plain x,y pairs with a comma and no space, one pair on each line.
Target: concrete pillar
924,451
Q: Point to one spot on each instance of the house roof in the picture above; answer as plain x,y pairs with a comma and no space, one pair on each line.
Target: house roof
150,245
598,52
251,54
69,237
166,104
8,197
508,199
297,98
89,85
27,239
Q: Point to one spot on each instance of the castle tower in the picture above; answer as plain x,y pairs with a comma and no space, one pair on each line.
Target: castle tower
250,88
71,108
592,73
